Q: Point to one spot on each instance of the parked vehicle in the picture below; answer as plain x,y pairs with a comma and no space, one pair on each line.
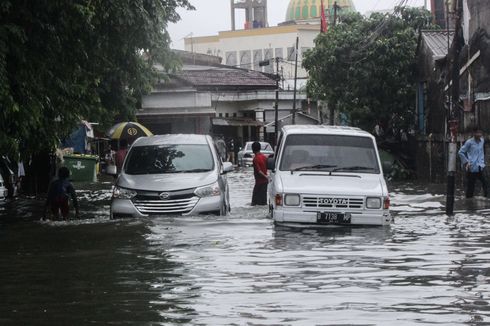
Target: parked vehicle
8,171
325,175
3,190
246,155
172,174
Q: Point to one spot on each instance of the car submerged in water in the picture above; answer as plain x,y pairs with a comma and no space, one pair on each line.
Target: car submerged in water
323,176
172,174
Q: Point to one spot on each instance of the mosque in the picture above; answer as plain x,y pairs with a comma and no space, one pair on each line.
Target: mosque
254,42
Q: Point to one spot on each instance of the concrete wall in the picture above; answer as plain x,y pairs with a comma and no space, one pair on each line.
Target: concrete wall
178,125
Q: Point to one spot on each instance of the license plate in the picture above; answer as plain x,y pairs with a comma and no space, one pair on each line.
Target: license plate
332,218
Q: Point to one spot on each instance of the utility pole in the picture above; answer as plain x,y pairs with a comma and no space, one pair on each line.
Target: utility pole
295,81
276,104
335,7
453,113
331,106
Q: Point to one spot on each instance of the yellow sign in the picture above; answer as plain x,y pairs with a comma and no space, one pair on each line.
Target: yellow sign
132,131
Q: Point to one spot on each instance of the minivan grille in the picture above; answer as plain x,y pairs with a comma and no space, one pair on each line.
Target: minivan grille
332,202
179,202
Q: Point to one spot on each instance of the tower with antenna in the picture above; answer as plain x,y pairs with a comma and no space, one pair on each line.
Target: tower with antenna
255,13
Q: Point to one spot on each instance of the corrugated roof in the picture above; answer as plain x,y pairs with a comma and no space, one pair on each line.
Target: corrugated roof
215,77
437,42
236,122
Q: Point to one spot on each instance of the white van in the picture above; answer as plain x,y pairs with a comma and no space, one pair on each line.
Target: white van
324,175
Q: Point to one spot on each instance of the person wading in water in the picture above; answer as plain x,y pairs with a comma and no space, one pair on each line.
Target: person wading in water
259,196
59,193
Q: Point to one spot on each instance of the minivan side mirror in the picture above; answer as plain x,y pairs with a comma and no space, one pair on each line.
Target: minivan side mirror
227,167
387,167
271,163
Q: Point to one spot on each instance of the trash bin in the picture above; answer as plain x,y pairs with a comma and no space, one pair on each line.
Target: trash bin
82,167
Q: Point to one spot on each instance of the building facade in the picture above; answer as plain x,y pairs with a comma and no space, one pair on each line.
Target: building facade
247,47
434,86
205,97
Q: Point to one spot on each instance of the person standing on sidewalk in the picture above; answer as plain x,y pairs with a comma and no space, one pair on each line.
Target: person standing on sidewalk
259,195
472,156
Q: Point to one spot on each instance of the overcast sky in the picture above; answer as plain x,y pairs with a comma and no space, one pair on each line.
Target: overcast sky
212,16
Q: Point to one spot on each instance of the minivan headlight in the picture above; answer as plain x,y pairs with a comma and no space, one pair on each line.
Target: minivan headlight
373,203
123,193
291,200
208,191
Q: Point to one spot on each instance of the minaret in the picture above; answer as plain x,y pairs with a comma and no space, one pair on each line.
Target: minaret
255,13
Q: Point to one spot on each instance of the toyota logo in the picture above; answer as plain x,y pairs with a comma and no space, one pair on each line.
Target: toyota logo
164,195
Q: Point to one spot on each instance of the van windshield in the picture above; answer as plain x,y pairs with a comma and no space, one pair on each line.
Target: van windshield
329,153
169,159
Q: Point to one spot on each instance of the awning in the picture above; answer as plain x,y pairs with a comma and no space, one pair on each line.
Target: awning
236,122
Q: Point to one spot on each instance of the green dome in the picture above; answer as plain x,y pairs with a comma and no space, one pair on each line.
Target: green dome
309,9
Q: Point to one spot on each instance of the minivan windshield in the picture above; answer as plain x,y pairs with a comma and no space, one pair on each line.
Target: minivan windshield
330,153
169,159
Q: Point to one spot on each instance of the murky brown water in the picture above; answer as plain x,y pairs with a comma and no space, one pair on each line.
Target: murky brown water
241,270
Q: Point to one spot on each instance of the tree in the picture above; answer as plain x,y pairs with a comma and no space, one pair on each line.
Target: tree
364,67
61,61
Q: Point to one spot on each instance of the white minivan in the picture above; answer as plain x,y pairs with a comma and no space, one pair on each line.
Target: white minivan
325,175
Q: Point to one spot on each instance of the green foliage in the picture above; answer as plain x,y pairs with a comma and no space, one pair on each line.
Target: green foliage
364,67
61,61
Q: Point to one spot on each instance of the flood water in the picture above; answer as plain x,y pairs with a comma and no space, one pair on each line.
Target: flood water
425,269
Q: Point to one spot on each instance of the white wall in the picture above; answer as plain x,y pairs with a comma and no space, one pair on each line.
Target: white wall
241,43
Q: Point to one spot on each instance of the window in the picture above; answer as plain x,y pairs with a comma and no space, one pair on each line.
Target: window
257,59
227,115
291,54
234,115
245,59
169,159
221,115
279,53
328,153
231,58
268,55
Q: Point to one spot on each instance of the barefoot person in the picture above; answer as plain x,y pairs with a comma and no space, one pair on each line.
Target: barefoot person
259,196
472,157
59,193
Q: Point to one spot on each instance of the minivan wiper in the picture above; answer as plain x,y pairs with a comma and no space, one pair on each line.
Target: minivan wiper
195,170
353,168
313,167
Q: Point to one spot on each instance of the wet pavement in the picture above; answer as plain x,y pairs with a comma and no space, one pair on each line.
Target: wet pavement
241,270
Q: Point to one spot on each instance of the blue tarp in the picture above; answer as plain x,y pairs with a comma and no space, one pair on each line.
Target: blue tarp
76,140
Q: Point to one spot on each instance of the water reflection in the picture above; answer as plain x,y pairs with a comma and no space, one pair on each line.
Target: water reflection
242,270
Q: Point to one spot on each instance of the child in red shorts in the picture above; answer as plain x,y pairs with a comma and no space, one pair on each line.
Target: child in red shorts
59,193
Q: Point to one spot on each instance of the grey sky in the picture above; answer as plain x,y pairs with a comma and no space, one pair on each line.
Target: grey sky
212,16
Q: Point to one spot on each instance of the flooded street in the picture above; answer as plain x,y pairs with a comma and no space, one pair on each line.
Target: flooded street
241,270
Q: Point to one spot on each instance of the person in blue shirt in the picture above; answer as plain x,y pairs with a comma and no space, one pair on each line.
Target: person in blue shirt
472,156
59,193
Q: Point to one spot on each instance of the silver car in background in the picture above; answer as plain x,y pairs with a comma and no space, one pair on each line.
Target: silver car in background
3,190
246,155
172,174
